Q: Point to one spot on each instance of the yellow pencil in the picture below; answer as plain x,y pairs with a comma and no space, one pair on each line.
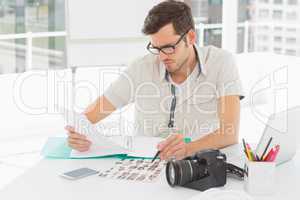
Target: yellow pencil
249,154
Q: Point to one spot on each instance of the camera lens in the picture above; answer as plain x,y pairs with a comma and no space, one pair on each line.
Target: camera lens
180,172
171,173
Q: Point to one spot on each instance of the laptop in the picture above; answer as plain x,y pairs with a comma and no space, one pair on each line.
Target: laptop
284,128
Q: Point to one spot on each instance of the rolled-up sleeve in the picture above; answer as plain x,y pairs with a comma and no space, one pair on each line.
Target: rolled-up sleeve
228,82
122,91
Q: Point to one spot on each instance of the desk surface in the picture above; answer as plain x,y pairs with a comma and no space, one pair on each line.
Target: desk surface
42,182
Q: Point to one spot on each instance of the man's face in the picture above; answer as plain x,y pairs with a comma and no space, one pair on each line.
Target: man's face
167,36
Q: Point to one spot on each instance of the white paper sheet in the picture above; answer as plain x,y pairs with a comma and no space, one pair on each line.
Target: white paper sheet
140,146
144,146
101,147
79,121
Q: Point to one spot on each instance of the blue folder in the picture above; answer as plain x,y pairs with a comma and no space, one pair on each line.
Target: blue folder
57,148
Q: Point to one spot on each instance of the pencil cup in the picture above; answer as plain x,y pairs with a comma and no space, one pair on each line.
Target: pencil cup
259,177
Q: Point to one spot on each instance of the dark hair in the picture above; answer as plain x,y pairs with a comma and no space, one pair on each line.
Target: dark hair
175,12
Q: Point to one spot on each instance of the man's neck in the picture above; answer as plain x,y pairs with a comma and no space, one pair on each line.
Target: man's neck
180,76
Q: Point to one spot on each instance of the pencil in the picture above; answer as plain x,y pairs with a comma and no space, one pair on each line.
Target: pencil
269,142
245,148
246,154
158,152
253,158
244,144
277,147
269,155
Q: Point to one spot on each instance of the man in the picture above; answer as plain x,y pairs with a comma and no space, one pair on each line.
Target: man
179,89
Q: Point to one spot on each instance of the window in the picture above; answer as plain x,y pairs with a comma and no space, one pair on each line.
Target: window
291,40
291,30
278,28
290,52
277,14
207,12
292,2
264,1
278,2
278,21
291,15
263,37
263,13
36,16
277,39
277,50
213,37
263,48
263,28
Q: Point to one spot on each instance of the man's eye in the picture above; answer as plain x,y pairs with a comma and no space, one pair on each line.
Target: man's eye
168,49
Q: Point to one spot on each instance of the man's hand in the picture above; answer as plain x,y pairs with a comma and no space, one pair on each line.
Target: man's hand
173,146
77,141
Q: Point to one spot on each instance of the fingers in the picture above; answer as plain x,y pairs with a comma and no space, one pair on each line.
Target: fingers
78,144
167,150
177,148
77,141
180,154
74,134
178,139
171,145
166,142
177,152
70,128
77,136
81,149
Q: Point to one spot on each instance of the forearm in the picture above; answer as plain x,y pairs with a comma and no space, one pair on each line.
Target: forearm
227,134
215,140
98,110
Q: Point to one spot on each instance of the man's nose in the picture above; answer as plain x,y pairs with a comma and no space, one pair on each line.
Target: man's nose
162,56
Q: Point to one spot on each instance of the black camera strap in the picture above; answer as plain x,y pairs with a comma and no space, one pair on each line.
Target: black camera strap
234,170
173,106
173,93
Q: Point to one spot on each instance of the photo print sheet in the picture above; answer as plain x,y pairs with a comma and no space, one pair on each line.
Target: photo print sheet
135,170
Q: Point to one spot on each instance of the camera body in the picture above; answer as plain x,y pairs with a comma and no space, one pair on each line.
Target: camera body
203,170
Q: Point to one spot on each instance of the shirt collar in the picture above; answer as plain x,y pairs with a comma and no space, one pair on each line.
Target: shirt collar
201,58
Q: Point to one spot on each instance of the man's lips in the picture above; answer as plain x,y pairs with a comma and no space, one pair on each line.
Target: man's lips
168,62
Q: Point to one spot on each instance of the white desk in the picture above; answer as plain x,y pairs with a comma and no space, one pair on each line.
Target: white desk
43,182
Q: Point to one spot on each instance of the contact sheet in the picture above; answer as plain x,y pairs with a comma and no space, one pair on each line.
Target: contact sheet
134,170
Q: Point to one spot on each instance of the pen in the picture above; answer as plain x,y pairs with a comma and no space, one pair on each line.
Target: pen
158,152
265,151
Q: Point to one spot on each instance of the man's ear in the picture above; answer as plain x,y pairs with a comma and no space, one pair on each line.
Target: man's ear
191,37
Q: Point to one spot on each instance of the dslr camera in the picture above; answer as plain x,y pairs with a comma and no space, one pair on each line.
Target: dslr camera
203,170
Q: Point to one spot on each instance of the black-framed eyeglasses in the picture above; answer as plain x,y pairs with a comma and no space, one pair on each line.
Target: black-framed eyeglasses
167,49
